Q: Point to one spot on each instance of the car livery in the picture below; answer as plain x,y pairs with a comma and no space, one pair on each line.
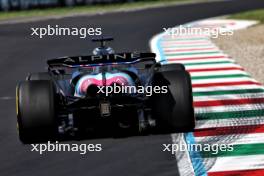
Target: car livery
64,102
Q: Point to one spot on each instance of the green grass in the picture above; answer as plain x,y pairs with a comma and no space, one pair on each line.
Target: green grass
88,9
250,15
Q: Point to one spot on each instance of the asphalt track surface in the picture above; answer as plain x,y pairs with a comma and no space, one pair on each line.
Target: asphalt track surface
21,53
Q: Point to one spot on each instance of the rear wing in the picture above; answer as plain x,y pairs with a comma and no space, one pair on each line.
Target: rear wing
94,60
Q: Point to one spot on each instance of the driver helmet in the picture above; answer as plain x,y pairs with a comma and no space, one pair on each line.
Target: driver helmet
103,51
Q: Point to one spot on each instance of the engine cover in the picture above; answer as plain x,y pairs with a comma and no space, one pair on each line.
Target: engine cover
100,79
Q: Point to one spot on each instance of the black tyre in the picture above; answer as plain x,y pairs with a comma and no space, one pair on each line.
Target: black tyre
39,76
172,67
173,110
36,117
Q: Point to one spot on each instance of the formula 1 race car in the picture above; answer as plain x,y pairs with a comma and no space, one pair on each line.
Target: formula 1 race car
104,94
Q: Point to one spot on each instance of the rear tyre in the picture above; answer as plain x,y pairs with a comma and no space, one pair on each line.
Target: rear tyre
173,110
171,67
36,111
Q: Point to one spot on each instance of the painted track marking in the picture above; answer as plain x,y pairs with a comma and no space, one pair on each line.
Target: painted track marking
228,103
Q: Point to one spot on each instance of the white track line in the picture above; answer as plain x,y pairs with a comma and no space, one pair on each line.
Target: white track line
229,108
220,80
219,88
7,98
182,157
212,66
202,61
228,97
229,122
252,138
235,163
227,72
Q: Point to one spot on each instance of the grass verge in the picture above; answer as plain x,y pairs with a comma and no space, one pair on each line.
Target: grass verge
88,9
250,15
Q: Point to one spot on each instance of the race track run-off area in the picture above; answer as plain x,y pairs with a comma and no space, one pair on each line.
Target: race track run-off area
229,104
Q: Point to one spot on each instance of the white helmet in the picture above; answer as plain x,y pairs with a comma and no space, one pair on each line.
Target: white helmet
103,49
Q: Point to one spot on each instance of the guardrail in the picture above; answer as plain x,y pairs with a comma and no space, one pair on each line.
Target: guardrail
7,5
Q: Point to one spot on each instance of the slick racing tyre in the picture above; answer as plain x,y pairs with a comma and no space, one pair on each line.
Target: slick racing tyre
35,105
39,76
171,67
173,110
